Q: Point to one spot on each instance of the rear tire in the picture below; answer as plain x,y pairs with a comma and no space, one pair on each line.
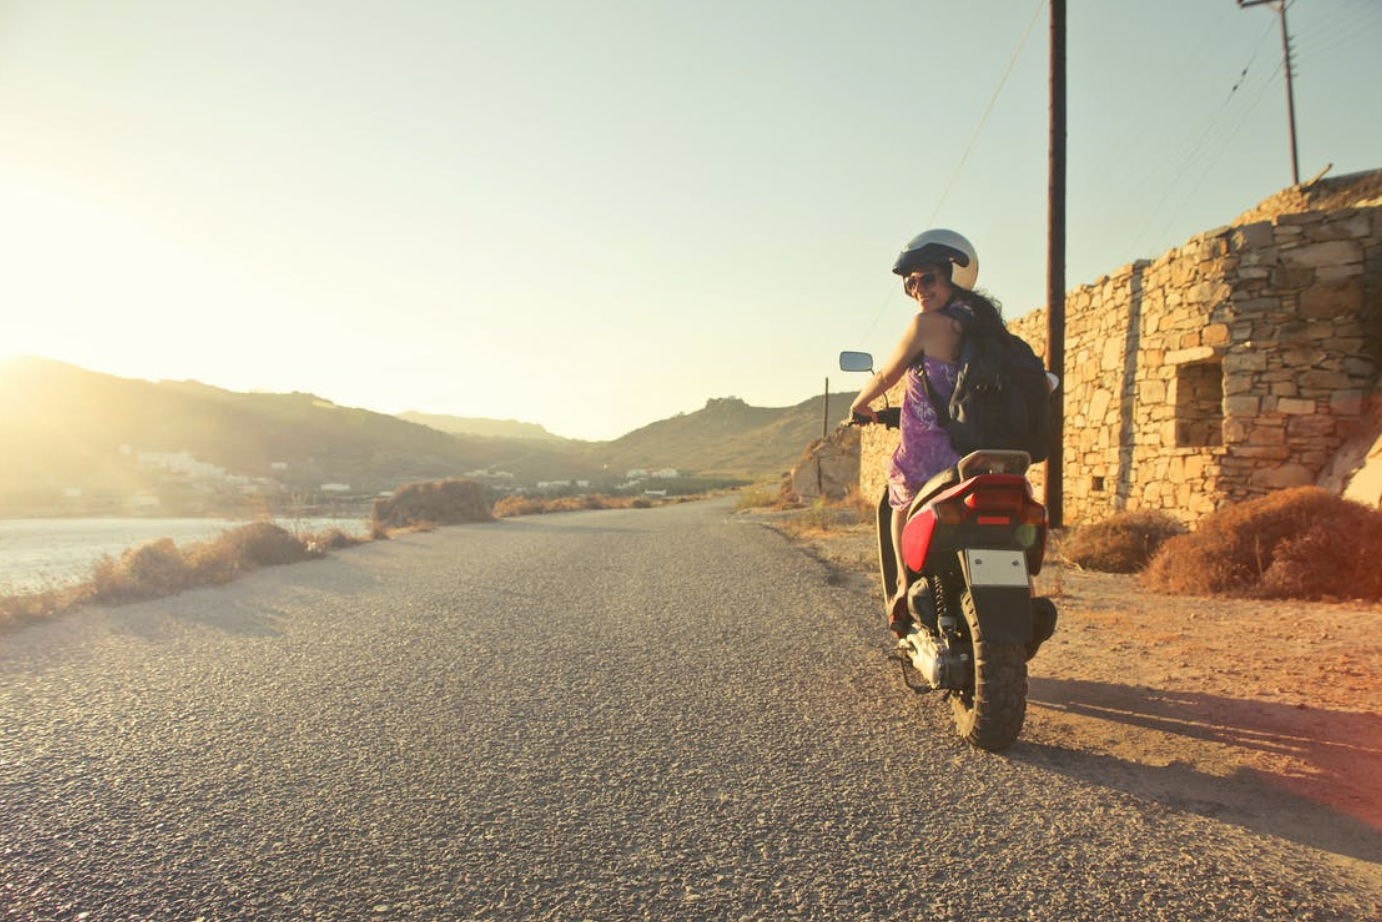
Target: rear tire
991,713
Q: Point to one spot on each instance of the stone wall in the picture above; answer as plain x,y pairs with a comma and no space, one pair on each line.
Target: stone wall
1236,364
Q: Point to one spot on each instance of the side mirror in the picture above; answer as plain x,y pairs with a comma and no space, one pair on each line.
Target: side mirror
856,361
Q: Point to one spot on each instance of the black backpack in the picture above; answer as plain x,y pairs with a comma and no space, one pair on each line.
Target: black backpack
1001,399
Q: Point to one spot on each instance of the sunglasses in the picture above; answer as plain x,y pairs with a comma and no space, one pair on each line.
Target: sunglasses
912,283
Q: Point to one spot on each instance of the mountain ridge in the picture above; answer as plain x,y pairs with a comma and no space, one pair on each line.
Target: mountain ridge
481,425
93,434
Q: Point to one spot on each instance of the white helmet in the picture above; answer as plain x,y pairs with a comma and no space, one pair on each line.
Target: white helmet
937,246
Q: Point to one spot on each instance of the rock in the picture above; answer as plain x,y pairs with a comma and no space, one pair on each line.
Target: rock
829,468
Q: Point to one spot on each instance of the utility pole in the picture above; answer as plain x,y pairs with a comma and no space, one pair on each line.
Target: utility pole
825,421
1290,91
1055,266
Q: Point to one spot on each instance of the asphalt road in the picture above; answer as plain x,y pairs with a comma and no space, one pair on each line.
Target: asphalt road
644,714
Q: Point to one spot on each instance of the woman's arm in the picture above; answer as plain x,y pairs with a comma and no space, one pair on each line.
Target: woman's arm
902,356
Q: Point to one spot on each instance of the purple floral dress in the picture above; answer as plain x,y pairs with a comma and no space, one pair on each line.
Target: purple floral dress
924,450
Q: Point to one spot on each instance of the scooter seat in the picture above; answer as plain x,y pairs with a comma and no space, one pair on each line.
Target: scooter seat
942,481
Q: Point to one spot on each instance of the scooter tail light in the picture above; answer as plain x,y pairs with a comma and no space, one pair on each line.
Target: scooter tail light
994,500
916,538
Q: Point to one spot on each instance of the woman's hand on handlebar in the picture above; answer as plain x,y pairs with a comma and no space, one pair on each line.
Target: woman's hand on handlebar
860,415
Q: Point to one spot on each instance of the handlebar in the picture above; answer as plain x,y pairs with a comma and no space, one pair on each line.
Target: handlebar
891,417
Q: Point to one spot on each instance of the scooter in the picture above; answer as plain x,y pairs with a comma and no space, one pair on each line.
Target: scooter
974,538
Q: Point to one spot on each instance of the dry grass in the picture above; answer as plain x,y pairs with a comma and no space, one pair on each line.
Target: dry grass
823,518
1122,543
865,509
161,568
511,506
760,496
1303,543
29,607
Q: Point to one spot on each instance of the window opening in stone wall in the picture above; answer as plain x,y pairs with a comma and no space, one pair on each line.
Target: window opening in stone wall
1098,485
1200,405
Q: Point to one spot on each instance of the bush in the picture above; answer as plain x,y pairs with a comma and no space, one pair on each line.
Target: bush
814,519
443,502
24,608
262,544
333,539
1302,543
1122,543
160,568
148,571
510,506
759,496
865,509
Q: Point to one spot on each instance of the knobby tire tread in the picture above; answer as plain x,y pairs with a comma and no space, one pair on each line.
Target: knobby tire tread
992,718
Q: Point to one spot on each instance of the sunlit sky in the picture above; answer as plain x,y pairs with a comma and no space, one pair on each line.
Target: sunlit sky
594,215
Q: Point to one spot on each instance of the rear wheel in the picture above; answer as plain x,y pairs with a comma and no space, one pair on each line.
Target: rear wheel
991,712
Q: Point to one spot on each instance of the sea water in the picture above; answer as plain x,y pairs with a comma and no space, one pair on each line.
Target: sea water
39,554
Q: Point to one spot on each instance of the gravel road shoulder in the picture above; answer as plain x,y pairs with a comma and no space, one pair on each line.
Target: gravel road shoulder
1263,714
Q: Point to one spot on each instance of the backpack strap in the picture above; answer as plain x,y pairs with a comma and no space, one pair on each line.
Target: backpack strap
957,310
942,411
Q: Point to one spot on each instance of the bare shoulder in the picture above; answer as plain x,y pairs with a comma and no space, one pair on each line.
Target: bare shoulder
938,334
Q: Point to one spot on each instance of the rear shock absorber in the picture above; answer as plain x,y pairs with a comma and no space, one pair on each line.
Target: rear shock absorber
946,621
922,602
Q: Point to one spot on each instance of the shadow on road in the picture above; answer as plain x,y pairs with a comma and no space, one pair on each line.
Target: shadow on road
1300,773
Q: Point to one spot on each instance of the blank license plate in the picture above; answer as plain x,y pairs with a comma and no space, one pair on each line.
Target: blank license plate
997,568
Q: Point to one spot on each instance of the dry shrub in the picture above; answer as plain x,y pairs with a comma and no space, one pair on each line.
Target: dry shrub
1302,543
759,496
813,520
147,571
444,502
160,568
263,544
333,539
249,547
1122,543
510,506
575,503
24,608
865,510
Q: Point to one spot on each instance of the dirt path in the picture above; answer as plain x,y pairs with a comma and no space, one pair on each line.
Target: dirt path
1265,713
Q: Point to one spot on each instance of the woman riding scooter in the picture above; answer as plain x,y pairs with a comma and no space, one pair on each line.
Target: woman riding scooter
938,269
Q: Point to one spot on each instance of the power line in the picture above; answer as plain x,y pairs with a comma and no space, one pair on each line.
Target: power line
1021,43
1209,167
1226,131
1012,61
973,138
1167,170
1247,88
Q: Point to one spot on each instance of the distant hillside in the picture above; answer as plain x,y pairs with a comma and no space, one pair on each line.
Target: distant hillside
489,428
69,432
727,437
69,429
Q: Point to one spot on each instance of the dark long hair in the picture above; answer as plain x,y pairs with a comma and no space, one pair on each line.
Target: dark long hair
988,313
